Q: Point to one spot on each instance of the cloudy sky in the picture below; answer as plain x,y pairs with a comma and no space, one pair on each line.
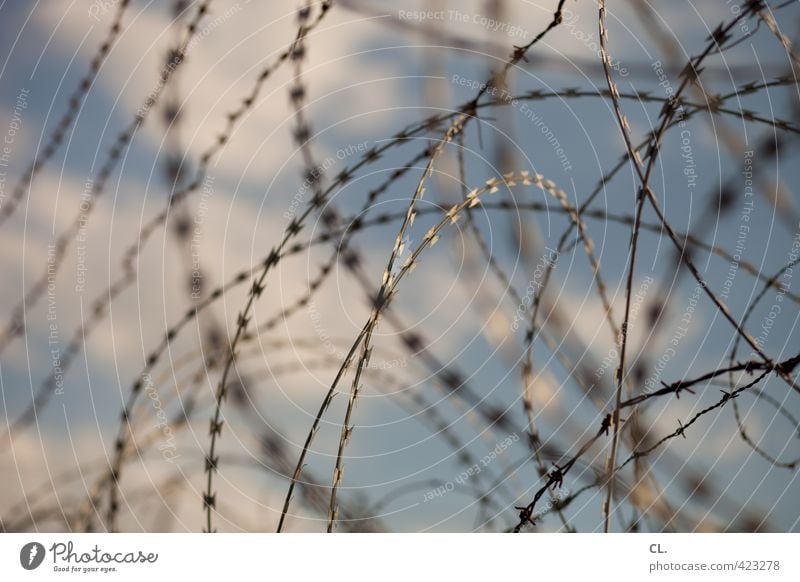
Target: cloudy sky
374,68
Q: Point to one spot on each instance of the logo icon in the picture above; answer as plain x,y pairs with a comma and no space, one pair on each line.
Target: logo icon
31,555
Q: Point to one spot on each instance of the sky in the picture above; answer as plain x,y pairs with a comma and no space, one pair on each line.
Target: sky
373,68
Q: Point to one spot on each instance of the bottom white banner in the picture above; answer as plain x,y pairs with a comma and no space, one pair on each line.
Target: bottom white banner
355,557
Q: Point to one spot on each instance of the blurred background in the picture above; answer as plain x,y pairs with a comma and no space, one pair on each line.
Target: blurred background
155,153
